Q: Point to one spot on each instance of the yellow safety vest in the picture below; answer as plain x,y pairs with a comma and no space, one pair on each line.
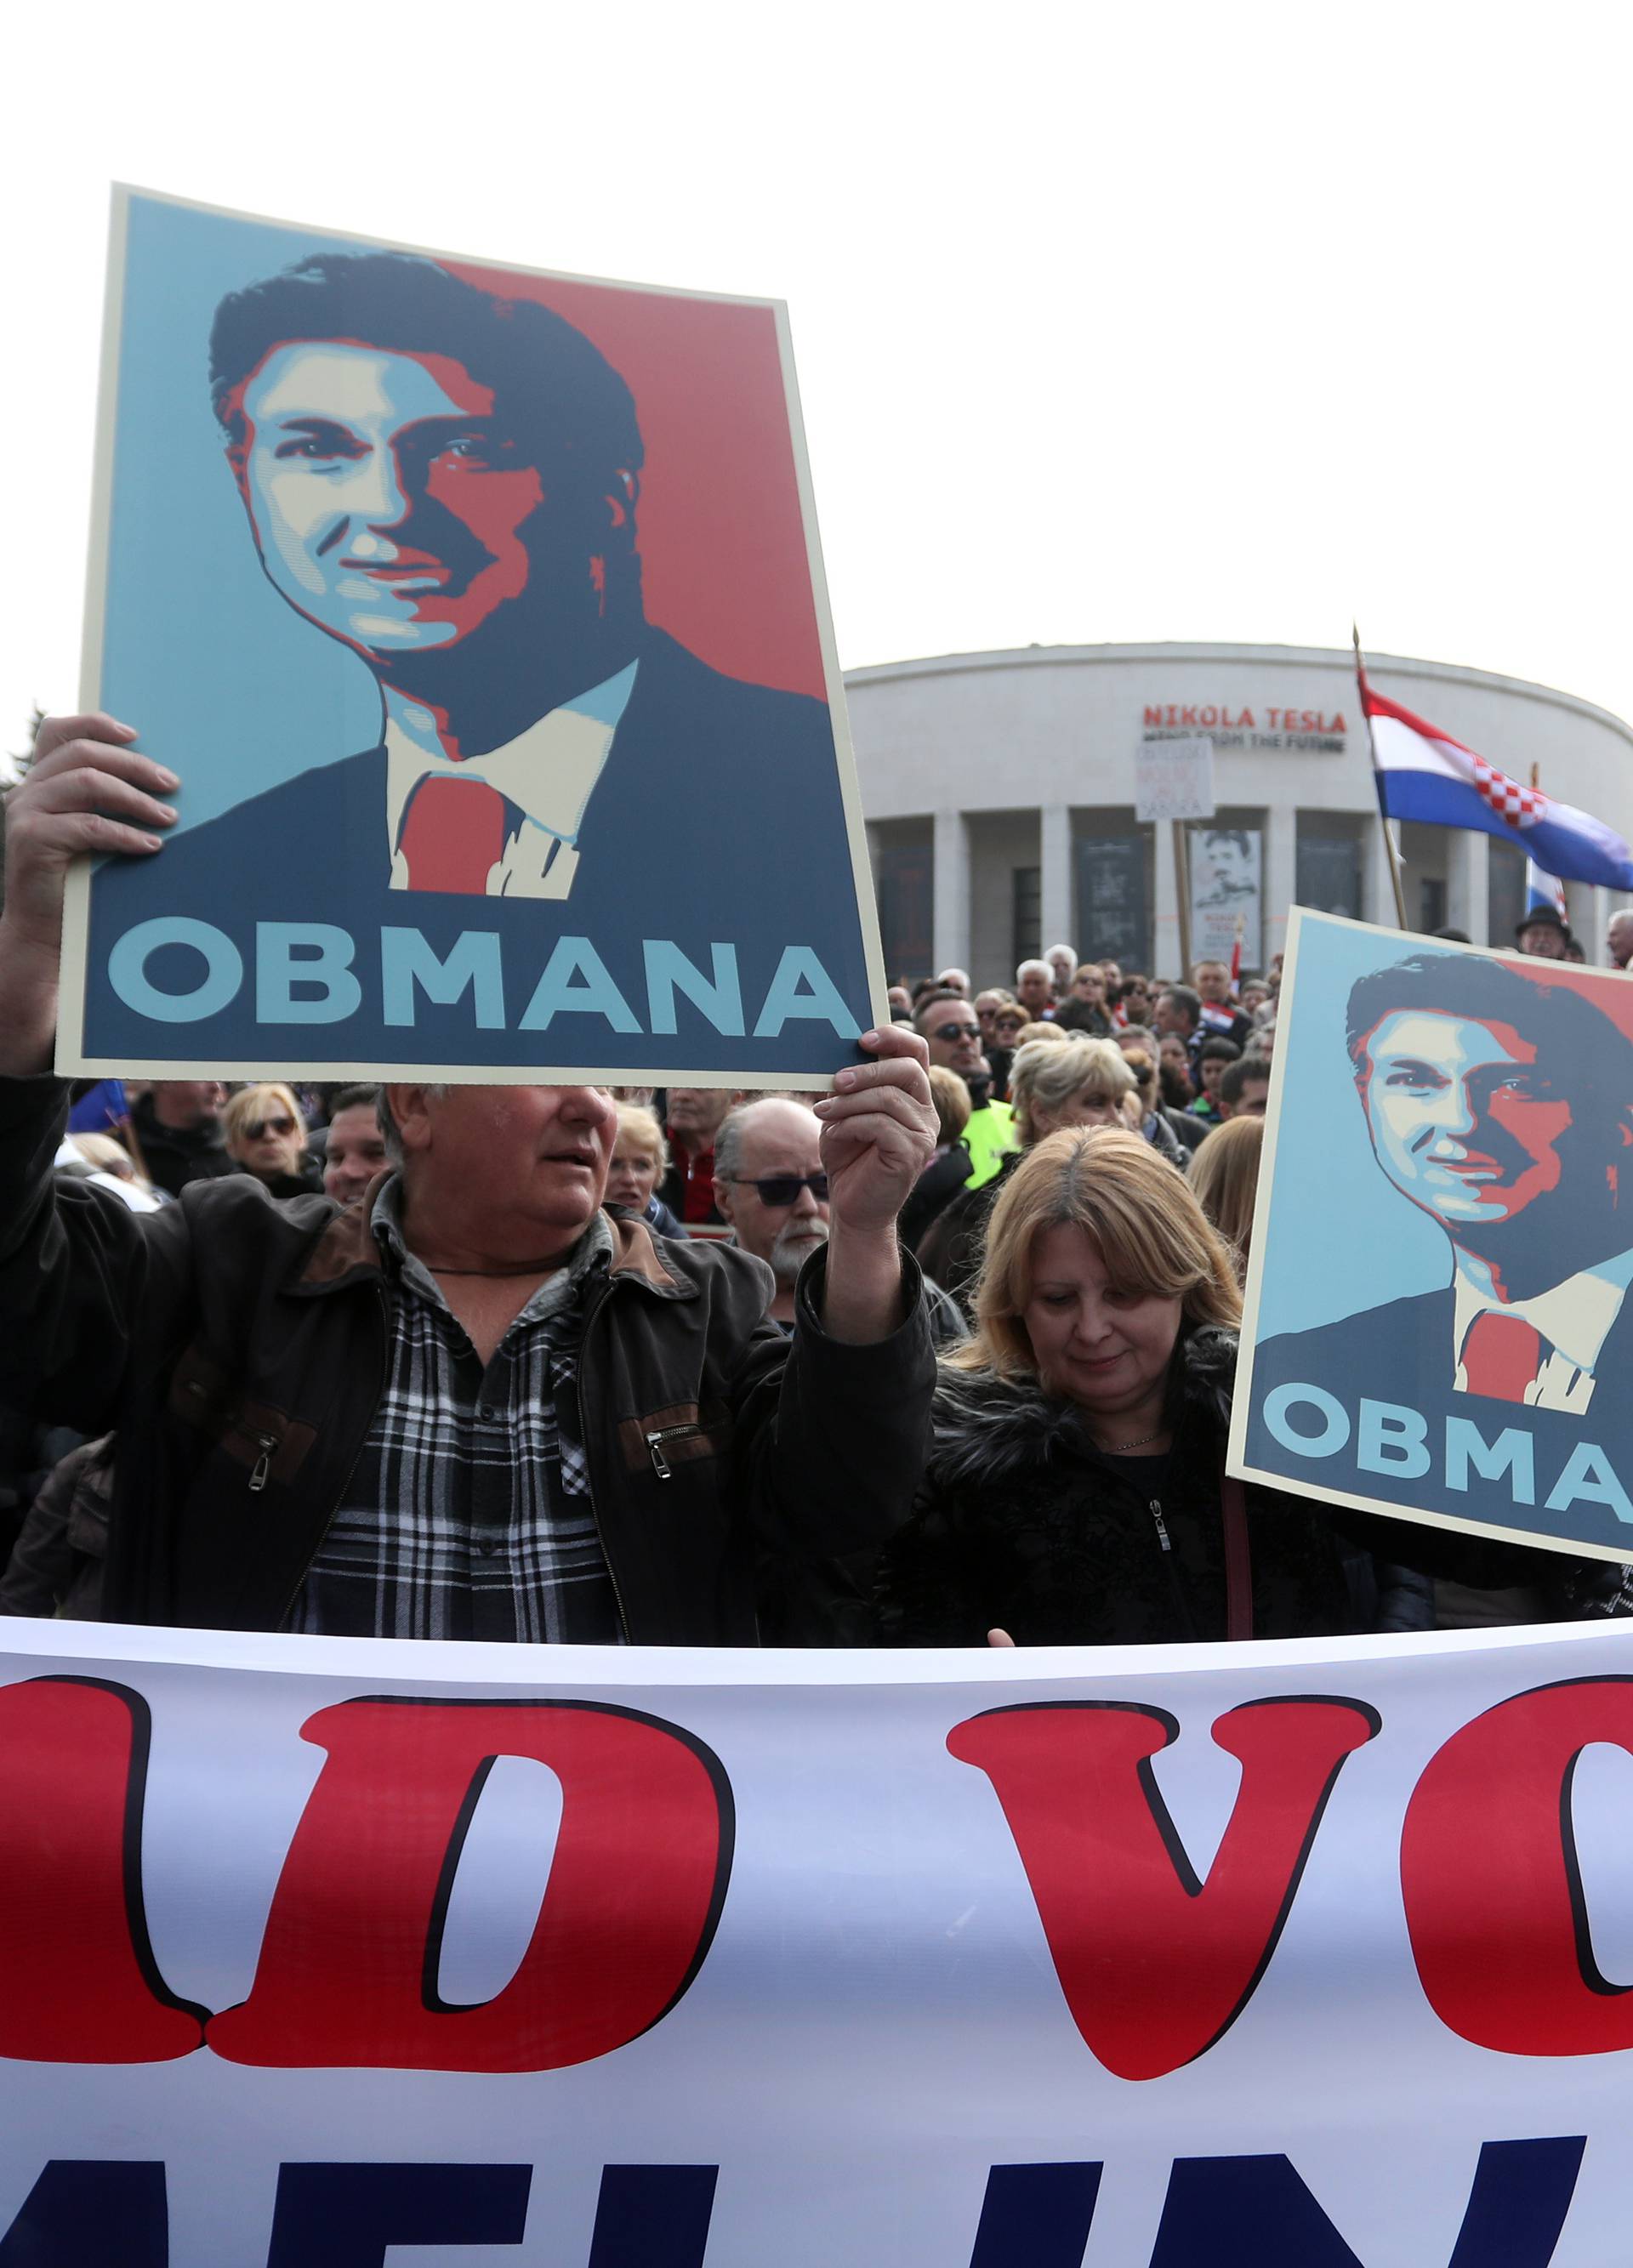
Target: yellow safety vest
990,1136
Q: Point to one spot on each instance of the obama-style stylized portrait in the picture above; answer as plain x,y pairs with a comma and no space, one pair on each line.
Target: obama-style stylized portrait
562,831
1494,1211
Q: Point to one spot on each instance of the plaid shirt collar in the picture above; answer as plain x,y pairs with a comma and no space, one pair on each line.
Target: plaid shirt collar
564,1287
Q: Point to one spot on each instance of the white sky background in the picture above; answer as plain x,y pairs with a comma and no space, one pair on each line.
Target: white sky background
1112,322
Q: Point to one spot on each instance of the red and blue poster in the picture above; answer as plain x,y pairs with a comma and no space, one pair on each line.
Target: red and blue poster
481,614
1438,1321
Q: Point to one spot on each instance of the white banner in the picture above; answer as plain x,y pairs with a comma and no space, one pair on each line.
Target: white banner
1174,778
1305,1954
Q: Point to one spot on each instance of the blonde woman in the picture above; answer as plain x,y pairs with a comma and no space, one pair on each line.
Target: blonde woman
266,1136
640,1158
1076,1493
1225,1176
1060,1081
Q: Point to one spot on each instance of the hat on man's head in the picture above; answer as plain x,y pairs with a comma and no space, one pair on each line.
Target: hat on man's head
1542,917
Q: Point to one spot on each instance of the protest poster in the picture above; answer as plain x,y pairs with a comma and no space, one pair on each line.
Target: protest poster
320,1952
1226,894
1437,1316
1174,778
480,611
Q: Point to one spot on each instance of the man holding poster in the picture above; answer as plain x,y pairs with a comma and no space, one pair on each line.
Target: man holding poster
442,473
1478,1381
474,1404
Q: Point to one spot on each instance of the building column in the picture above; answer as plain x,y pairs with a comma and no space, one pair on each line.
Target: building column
1602,901
1281,878
1054,857
951,887
1468,891
1166,957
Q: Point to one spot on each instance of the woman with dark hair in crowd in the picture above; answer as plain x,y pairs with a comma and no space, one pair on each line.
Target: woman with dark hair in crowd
266,1136
1076,1493
1083,1009
1010,1020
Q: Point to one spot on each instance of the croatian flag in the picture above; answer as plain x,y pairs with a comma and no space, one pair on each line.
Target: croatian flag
1544,890
1424,774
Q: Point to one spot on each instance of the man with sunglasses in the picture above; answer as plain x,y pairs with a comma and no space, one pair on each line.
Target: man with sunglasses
951,1029
769,1184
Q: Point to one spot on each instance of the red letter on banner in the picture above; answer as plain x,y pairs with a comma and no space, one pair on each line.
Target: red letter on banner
78,1980
1489,1874
1156,1965
349,1965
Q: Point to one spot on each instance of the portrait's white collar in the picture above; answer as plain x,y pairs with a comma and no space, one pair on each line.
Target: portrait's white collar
547,771
1574,1316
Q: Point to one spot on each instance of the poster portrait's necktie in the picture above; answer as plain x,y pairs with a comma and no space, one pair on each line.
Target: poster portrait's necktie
455,831
1501,1356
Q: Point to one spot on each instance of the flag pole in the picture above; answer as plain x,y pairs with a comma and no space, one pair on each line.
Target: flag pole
1390,850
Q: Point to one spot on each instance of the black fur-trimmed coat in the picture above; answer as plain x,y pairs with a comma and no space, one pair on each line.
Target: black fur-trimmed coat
1020,1524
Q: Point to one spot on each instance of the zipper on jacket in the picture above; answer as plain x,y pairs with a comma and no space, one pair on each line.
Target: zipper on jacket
1182,1607
660,1464
266,1443
593,1306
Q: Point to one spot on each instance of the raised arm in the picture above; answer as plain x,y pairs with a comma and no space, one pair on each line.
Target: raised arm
87,791
878,1135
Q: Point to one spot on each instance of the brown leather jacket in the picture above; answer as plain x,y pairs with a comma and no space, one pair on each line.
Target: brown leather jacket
237,1346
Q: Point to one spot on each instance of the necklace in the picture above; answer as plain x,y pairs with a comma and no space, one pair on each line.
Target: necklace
1121,1448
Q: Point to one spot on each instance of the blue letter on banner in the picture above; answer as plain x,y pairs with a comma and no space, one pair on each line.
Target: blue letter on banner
347,2216
1256,2213
654,2216
1037,2216
85,2209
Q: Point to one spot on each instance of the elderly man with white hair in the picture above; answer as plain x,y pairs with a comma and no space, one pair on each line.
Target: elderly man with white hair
1062,960
1034,989
769,1183
770,1188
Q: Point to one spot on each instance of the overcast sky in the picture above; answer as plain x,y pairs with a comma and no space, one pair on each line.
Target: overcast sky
1111,323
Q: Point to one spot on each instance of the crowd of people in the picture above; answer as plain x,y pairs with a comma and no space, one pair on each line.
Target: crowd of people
943,1356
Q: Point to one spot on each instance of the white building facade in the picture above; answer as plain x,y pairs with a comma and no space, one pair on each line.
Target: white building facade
1000,794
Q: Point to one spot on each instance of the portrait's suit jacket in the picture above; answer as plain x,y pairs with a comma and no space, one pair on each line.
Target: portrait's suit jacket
1402,1353
718,816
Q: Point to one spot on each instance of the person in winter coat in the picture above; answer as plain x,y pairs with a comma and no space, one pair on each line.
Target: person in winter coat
1076,1492
265,1131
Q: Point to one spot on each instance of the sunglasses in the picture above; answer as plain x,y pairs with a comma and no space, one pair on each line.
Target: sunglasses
779,1191
957,1032
257,1127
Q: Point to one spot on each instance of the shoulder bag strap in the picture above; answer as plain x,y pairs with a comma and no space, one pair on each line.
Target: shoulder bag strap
1238,1560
